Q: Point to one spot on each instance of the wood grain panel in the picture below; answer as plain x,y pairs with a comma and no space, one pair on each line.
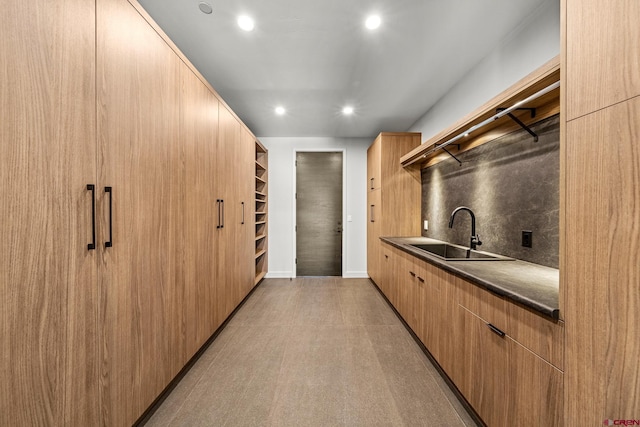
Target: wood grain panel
48,287
374,224
199,133
504,381
401,187
433,308
227,283
484,380
319,184
141,158
602,54
602,269
539,334
374,165
484,304
535,390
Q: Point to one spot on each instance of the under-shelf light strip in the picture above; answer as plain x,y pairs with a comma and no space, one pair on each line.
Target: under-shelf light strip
495,117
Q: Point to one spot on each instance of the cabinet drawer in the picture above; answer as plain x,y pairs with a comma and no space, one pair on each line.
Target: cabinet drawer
504,381
540,335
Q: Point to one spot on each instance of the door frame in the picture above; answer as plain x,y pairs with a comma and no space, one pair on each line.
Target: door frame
343,151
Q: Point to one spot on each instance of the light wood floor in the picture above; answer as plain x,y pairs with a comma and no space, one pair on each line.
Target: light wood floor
313,352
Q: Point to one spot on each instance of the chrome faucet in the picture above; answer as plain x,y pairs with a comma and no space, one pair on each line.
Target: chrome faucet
475,239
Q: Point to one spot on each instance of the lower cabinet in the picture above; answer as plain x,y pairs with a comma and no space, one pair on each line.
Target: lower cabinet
504,381
505,359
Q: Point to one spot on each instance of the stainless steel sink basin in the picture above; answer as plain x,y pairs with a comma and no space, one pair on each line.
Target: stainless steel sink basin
450,252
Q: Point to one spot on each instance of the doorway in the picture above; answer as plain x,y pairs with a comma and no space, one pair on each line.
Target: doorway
319,192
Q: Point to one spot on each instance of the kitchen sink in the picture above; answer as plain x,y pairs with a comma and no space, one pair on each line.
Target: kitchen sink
450,252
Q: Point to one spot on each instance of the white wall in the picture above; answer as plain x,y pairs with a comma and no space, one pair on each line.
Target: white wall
281,201
531,44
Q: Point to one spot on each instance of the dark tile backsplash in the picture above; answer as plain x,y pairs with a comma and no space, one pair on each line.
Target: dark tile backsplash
511,184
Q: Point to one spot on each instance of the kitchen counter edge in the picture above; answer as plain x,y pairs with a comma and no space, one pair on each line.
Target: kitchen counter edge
541,297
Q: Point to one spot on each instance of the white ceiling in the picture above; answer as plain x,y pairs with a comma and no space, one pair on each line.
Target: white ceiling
315,56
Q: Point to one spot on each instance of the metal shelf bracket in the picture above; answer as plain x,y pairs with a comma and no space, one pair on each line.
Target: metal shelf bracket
531,111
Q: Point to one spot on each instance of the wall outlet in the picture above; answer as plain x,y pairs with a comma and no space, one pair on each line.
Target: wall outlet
527,237
426,225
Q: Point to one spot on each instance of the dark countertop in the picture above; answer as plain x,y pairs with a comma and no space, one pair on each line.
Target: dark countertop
532,285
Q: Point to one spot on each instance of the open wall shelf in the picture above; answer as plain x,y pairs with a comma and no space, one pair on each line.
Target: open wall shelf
261,194
527,113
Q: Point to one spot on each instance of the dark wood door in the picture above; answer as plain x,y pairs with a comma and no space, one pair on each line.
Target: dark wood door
319,214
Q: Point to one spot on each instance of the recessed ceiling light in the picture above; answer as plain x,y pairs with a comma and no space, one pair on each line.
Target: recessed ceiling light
205,7
373,22
280,111
348,110
246,23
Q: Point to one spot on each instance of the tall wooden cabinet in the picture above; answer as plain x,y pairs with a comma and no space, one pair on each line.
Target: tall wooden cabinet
393,196
127,204
48,292
600,167
140,158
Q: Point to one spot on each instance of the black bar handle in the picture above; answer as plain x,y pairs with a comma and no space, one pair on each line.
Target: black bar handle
412,274
371,213
242,213
219,212
222,226
496,331
92,188
372,183
420,279
109,243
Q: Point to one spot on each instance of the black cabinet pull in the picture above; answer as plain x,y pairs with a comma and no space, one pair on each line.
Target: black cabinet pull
92,188
109,243
219,207
496,331
372,183
242,213
371,213
222,203
420,279
412,274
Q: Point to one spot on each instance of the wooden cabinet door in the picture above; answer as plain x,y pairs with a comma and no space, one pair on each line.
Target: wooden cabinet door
374,165
374,219
602,60
140,157
485,373
48,292
535,389
603,279
229,187
199,132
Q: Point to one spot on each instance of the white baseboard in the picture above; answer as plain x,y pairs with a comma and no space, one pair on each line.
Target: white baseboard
356,275
289,274
279,275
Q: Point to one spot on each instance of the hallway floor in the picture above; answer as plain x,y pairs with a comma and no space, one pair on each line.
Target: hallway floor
313,352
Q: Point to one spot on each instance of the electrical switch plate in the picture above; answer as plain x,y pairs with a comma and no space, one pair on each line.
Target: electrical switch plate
527,239
426,225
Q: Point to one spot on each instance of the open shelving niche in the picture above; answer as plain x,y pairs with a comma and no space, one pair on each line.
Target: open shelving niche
261,192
